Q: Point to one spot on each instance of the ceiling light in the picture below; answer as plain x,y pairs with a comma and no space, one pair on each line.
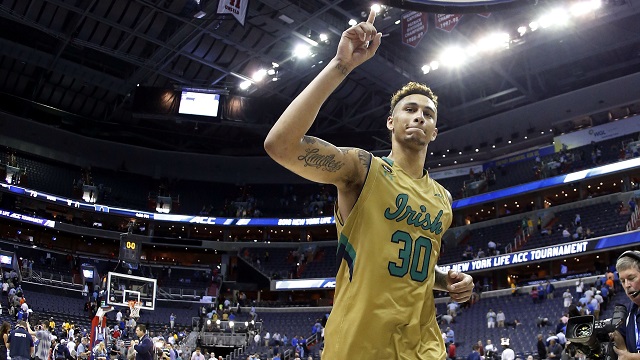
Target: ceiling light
352,22
522,30
259,75
245,85
271,72
397,22
286,19
584,7
324,37
494,41
376,8
453,56
301,51
426,69
534,25
275,65
434,65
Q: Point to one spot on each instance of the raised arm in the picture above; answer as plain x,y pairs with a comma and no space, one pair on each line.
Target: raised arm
313,158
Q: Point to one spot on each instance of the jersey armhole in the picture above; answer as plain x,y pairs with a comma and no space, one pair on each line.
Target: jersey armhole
336,209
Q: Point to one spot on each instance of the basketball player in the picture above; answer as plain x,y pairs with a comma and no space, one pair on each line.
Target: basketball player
390,216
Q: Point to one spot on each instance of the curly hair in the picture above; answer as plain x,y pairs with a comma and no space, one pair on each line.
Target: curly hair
410,89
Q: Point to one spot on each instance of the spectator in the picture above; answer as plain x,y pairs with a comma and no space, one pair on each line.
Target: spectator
555,350
475,355
100,352
451,335
451,351
542,348
550,289
534,294
500,318
491,319
452,308
567,298
489,348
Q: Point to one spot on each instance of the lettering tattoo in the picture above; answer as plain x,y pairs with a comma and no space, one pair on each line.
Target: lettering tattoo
342,68
313,158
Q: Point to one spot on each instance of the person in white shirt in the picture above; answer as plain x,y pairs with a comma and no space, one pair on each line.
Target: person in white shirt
267,337
507,353
567,297
489,347
119,316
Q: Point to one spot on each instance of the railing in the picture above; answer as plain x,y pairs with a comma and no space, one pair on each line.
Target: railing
42,277
634,221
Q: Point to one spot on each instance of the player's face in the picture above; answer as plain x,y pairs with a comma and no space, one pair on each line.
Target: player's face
630,280
413,120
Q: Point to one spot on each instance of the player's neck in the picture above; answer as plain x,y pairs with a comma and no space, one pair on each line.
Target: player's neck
410,160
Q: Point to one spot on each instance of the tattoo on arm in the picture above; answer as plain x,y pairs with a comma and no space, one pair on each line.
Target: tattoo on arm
364,157
314,140
343,69
314,158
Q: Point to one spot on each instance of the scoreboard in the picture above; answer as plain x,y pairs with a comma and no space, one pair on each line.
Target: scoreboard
130,250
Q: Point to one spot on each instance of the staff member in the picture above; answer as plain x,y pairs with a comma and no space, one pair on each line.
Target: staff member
20,343
627,337
143,346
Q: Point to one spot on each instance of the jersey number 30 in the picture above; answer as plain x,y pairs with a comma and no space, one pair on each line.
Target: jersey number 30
414,256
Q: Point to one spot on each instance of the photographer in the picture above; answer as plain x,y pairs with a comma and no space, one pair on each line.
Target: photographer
627,337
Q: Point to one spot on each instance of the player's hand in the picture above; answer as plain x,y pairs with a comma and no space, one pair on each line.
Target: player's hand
459,285
359,43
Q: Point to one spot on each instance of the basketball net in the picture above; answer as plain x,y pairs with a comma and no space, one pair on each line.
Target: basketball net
134,309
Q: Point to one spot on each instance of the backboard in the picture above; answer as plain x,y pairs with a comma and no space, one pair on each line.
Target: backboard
122,288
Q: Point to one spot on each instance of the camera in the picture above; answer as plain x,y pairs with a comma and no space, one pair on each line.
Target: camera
591,337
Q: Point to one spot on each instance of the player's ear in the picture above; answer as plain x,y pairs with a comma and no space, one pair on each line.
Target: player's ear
434,134
390,123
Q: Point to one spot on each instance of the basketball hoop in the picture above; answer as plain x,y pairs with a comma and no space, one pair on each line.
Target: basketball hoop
134,309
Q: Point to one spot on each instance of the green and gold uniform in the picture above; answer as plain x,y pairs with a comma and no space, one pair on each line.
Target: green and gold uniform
387,250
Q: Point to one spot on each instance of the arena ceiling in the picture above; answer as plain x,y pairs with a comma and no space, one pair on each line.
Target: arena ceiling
76,64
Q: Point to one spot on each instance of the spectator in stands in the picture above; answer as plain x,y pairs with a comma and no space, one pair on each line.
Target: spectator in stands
5,330
474,355
491,246
61,351
450,335
100,351
452,308
83,352
555,350
542,348
451,351
550,289
500,318
20,342
491,319
446,319
567,298
579,287
172,320
534,294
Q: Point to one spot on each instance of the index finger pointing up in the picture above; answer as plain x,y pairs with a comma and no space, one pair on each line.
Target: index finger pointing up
372,17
